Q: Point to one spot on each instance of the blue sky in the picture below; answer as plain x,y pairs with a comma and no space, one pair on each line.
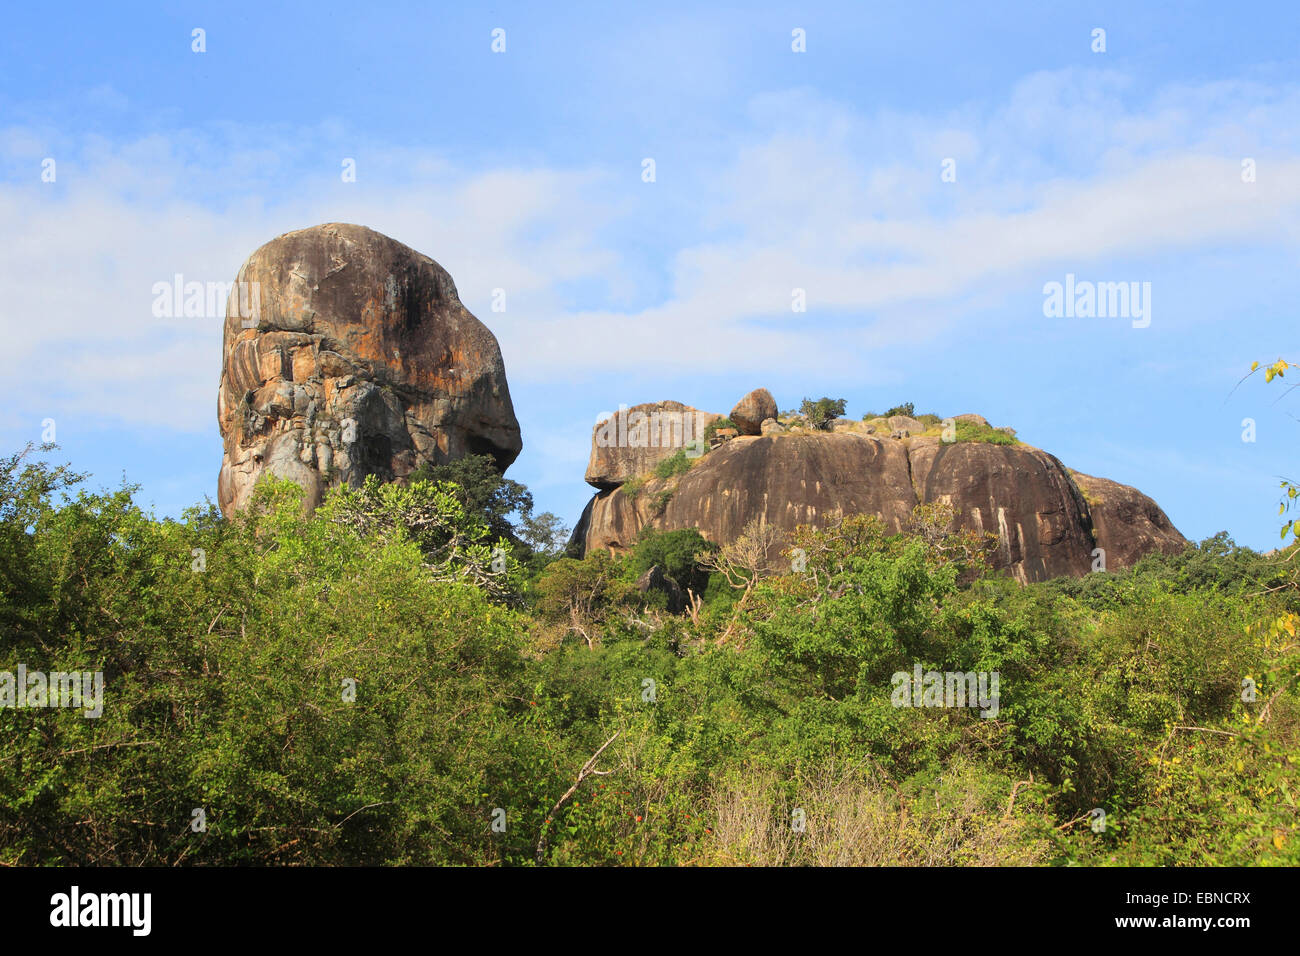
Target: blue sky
775,170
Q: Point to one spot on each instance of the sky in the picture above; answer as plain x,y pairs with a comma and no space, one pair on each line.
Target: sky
921,171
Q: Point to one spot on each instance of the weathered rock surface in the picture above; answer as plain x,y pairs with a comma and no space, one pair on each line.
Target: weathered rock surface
1128,523
1021,494
752,410
787,480
362,360
1044,524
633,440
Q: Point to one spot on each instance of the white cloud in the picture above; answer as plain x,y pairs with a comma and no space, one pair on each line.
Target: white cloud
1068,172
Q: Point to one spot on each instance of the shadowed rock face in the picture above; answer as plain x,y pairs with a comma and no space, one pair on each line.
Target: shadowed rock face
1043,523
361,360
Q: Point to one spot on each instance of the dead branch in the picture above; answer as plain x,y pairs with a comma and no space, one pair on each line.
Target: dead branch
588,769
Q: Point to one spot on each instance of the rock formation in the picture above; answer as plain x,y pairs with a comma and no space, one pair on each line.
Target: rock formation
752,410
360,359
1047,520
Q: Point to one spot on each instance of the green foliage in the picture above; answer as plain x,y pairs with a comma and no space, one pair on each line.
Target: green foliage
678,552
1164,694
973,431
712,428
823,411
223,690
907,409
505,504
659,503
591,587
481,490
674,465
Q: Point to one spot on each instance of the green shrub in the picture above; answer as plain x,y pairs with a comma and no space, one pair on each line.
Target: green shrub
973,431
712,427
676,464
228,688
677,552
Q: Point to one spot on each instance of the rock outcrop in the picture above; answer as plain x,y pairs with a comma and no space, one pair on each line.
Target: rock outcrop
1021,494
1047,520
360,360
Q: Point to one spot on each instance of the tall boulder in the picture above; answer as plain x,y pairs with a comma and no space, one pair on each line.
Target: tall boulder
752,410
358,359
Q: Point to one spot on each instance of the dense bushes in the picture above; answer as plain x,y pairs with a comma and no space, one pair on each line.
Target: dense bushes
364,686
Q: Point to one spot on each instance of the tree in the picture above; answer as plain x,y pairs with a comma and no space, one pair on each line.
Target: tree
456,542
544,534
581,594
505,504
681,554
482,490
822,412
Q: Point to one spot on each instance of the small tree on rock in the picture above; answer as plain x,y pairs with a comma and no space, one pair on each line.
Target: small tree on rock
822,412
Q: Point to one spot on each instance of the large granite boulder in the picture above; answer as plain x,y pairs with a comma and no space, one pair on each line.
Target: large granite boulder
1044,524
786,480
360,360
752,410
905,425
1021,494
